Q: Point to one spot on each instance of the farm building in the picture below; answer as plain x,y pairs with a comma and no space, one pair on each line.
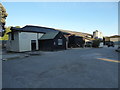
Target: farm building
75,41
66,35
115,39
52,41
31,38
21,40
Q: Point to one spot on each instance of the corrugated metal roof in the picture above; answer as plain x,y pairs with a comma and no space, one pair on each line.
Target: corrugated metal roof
30,28
22,30
50,35
38,29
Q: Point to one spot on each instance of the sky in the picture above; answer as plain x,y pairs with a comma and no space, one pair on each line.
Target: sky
75,16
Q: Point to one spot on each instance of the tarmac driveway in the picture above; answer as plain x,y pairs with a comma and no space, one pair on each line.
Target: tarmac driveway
73,68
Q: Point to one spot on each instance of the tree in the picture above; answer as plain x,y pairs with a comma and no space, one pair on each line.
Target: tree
6,36
96,43
3,16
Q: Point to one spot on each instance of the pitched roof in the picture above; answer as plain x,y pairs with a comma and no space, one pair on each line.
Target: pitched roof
22,30
30,28
38,29
75,33
50,35
43,29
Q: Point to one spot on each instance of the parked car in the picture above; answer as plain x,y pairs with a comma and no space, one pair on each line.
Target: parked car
111,44
88,44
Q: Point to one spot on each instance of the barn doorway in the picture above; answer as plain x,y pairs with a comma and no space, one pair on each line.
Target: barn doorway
33,45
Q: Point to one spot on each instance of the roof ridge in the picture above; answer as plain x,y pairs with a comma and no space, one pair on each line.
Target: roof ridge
40,27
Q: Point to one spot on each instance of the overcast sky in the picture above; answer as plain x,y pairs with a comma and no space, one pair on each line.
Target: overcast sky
76,16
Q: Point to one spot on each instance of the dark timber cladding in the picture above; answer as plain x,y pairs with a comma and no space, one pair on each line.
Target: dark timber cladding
52,41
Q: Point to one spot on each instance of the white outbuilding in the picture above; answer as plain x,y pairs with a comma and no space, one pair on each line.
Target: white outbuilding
23,40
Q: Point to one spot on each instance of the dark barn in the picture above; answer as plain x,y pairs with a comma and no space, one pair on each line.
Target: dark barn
75,41
52,41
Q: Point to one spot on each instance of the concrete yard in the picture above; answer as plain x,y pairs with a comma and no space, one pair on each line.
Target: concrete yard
72,68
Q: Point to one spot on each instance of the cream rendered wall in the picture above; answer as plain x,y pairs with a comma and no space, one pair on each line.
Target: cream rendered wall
100,35
107,39
25,40
97,34
115,39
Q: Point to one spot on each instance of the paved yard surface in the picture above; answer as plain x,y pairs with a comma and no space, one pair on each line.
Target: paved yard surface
73,68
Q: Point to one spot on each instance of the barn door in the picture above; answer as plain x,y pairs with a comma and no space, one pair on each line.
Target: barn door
33,45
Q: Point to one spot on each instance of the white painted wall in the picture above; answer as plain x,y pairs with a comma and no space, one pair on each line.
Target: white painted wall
25,40
13,45
22,41
39,35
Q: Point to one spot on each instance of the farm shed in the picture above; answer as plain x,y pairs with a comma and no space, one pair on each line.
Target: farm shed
52,41
76,41
66,35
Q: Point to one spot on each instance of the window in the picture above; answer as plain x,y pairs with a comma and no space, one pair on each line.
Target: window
60,42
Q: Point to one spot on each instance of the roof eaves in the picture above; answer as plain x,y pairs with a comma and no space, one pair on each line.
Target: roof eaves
39,27
22,30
